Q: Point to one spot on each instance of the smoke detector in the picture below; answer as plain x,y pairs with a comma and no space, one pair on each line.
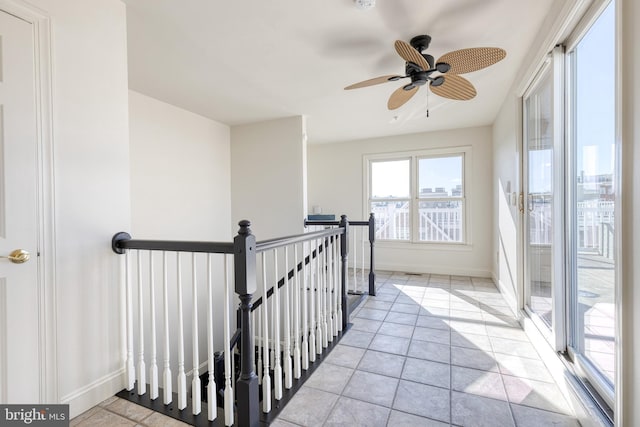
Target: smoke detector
365,4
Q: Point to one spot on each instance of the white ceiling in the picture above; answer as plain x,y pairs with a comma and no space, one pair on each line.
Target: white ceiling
241,62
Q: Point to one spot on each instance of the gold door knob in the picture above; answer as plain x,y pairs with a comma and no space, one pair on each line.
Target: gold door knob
19,256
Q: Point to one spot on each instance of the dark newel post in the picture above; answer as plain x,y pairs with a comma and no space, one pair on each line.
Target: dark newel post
244,258
372,243
344,254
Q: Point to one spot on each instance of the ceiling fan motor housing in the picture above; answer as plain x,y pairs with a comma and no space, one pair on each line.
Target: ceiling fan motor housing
420,43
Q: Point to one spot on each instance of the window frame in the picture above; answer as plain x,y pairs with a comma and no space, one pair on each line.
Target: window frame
465,152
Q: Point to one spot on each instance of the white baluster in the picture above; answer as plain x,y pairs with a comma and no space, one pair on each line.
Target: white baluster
277,366
297,372
305,311
356,286
319,321
228,356
287,363
131,370
259,343
312,304
153,369
332,295
336,295
328,321
346,274
338,282
196,400
166,372
142,381
331,312
212,404
182,378
362,256
256,339
266,379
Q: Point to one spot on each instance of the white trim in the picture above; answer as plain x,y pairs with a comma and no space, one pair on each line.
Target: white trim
43,73
567,15
510,297
620,308
585,23
435,269
86,397
3,341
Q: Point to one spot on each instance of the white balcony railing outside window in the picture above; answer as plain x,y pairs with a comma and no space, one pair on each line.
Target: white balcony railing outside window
444,224
436,224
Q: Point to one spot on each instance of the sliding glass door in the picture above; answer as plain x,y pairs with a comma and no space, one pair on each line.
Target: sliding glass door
543,145
592,203
571,198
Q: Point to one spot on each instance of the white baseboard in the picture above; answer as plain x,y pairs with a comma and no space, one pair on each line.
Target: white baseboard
508,295
434,269
90,395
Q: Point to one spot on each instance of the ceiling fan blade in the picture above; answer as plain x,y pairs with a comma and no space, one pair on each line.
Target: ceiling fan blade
455,87
473,59
374,81
409,54
400,96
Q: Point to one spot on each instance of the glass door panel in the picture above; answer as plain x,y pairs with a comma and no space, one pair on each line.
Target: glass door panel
539,216
593,203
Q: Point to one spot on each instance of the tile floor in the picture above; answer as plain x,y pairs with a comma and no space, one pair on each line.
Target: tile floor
428,350
431,350
116,412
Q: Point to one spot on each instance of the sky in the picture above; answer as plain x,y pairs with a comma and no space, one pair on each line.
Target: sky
393,178
595,57
594,108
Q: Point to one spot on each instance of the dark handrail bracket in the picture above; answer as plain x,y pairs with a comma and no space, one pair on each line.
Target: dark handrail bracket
117,240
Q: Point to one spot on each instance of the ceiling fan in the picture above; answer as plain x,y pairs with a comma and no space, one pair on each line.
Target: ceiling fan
420,68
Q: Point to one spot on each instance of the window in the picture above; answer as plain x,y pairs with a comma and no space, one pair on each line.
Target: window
390,198
419,197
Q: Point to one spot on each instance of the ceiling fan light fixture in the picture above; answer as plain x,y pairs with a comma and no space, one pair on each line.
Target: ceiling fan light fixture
365,4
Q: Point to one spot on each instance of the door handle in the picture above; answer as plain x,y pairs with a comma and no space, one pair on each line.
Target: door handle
19,256
521,203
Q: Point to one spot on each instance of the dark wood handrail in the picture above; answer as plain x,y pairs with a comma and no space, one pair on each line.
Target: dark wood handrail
122,241
278,242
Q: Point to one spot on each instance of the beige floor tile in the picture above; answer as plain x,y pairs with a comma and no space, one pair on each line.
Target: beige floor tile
104,418
129,409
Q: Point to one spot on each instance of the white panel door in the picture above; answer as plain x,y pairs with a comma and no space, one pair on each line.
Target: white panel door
19,294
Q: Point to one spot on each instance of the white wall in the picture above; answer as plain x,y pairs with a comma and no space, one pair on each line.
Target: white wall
336,184
180,190
180,173
268,176
506,182
91,172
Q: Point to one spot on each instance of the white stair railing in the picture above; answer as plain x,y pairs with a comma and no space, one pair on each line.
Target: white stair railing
284,331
